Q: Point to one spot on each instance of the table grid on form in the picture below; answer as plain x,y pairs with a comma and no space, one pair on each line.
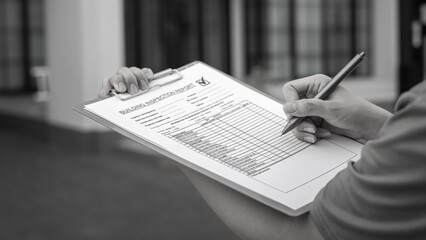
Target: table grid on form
245,137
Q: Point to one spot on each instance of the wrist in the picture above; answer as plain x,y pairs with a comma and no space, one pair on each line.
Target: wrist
380,116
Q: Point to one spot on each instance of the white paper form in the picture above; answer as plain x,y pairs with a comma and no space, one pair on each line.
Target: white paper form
234,132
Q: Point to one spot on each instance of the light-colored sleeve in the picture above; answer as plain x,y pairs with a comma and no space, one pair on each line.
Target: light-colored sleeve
383,195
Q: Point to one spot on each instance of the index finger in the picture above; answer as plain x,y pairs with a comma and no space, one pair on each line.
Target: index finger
306,87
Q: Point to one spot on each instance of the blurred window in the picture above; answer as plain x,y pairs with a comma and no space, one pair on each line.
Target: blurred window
283,39
21,43
295,38
170,33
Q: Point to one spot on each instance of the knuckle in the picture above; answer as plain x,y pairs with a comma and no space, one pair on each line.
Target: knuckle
116,78
285,87
320,81
148,72
134,70
122,70
322,77
307,106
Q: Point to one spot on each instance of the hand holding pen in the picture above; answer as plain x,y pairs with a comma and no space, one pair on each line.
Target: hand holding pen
342,112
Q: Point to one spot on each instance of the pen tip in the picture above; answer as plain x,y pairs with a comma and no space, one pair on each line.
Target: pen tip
286,128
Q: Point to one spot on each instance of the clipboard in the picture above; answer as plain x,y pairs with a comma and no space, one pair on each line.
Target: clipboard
251,186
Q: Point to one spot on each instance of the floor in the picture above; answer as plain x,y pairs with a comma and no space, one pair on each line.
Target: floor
48,191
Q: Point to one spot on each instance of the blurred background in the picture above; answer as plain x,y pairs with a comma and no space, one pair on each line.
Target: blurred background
63,176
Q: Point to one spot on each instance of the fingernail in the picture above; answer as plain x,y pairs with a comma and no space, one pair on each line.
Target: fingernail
325,134
133,88
115,86
309,139
121,87
322,133
309,130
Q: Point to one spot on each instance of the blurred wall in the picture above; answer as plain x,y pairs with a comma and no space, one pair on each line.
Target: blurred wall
84,45
382,85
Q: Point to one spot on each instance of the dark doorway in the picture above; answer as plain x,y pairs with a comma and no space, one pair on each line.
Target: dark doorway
412,43
22,38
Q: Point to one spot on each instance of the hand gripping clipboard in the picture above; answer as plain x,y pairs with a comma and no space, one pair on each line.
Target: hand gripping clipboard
293,202
173,75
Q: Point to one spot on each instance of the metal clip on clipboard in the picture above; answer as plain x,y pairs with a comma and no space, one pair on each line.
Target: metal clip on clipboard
174,74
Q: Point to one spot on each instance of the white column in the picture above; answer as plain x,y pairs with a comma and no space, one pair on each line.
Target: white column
84,45
237,35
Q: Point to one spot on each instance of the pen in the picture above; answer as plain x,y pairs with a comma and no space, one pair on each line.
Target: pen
346,70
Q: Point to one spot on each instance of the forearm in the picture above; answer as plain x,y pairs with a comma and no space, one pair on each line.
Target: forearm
248,218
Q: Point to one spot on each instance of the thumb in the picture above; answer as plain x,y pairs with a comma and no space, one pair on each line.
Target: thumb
306,107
